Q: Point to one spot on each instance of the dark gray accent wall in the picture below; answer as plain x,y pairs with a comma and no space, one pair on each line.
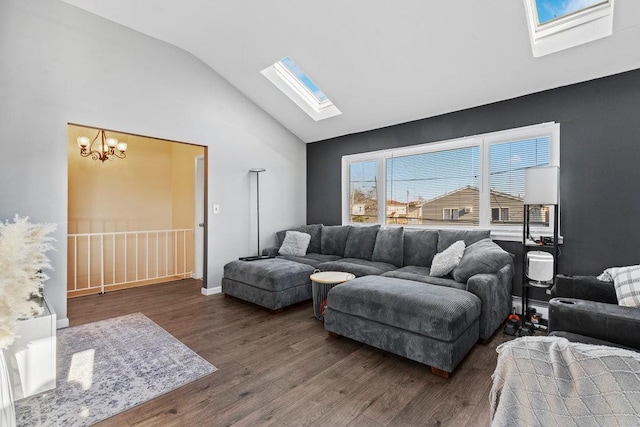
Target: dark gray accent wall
599,163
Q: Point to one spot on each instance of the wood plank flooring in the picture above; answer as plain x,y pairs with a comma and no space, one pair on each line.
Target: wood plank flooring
285,370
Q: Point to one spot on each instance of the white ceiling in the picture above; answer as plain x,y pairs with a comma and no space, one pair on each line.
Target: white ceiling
380,62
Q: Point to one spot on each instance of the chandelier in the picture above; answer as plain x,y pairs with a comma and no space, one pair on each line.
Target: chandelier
105,148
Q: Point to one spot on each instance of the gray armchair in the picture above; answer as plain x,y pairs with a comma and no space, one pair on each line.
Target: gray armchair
585,309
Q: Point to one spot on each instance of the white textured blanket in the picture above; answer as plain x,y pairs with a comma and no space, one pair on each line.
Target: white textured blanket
549,381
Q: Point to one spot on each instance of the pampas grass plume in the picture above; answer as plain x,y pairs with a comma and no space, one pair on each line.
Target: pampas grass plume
23,260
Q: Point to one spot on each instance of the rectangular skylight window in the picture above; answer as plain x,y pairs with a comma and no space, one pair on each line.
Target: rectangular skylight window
303,78
555,25
549,10
287,76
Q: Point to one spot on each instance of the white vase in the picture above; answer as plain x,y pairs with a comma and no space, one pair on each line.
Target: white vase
8,410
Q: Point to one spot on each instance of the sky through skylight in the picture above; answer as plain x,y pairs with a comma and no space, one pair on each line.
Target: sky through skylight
549,10
303,78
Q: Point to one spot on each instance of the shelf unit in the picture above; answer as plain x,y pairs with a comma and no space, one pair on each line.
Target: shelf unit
527,245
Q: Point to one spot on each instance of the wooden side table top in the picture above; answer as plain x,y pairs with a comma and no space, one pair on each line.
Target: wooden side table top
331,277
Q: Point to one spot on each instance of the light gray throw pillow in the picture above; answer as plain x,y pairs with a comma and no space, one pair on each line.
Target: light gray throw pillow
447,260
295,243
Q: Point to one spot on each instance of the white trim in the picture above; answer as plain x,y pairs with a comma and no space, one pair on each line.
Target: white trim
572,30
211,291
62,323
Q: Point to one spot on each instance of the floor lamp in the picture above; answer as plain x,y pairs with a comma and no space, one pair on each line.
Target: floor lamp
257,172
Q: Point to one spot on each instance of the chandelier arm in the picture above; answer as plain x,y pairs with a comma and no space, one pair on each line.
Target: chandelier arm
120,155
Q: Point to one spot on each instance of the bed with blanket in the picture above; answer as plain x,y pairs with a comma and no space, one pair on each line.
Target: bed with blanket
549,381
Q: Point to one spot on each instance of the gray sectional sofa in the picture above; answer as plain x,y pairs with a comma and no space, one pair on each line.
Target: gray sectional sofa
393,303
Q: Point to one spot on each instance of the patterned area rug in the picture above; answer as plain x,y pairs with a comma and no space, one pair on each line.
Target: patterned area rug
107,367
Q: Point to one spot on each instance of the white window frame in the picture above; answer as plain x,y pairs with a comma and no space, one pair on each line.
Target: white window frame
484,141
568,31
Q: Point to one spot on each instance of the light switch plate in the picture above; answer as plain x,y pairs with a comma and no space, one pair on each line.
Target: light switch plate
216,209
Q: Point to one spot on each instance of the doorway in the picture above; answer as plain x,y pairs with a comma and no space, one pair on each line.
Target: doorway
135,220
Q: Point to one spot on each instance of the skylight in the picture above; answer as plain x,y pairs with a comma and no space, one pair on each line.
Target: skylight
555,25
549,10
287,76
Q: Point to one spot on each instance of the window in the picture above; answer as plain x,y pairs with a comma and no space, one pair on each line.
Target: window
507,161
287,76
427,183
363,192
463,183
450,214
555,25
499,215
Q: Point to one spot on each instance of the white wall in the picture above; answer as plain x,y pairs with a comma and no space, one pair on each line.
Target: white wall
59,64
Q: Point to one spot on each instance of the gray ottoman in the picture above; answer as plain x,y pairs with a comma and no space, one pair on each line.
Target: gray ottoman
272,283
434,325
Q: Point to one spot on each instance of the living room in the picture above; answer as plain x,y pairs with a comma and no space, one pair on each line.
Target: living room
62,64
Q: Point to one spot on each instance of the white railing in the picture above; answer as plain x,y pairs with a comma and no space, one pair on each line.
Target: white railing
103,260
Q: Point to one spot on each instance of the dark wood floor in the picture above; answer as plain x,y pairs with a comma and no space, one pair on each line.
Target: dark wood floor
284,369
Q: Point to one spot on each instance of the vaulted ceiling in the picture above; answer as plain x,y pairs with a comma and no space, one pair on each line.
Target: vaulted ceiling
380,62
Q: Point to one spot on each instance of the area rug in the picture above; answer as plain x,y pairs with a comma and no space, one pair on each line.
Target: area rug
110,366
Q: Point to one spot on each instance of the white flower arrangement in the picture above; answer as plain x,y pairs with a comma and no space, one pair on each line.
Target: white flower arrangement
23,260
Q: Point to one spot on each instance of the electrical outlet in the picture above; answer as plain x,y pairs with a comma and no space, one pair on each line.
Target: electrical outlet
216,209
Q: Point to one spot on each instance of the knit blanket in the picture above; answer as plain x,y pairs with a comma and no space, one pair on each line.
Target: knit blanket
549,381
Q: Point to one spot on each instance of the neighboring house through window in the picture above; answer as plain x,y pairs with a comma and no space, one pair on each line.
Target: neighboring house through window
466,182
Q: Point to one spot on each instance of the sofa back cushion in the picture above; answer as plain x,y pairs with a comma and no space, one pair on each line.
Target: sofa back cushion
447,238
361,241
482,257
314,230
419,247
334,239
389,246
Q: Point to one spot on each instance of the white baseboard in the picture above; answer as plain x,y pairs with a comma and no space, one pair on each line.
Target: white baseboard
541,307
62,323
211,291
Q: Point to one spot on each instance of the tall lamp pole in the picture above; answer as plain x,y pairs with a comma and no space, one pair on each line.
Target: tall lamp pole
257,172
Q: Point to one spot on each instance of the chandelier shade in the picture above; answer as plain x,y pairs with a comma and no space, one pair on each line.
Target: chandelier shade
102,147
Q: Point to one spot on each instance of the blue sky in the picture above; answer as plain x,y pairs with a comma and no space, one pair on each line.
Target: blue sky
551,9
433,174
304,78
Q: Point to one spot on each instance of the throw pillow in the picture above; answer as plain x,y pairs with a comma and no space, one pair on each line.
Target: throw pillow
295,243
447,260
626,280
314,230
389,246
334,238
447,237
482,257
420,246
360,242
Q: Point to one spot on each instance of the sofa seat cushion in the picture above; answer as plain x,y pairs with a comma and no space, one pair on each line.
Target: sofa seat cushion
357,266
275,274
311,258
421,274
434,311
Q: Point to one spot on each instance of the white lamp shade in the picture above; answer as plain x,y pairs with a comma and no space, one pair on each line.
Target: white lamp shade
542,186
112,142
122,146
83,141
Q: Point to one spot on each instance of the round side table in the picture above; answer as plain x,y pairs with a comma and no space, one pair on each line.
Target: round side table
321,284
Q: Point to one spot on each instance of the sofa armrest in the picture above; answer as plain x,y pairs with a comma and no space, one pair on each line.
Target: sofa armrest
584,287
599,320
270,251
494,291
